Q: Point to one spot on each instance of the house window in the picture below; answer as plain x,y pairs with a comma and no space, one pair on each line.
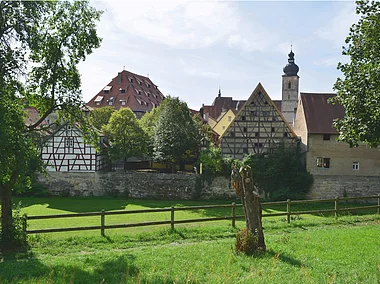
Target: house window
243,118
355,166
289,85
123,103
245,150
272,129
326,136
244,129
323,162
223,127
232,134
285,134
256,134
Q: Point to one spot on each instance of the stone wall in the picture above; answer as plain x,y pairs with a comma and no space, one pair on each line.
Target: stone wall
350,186
132,184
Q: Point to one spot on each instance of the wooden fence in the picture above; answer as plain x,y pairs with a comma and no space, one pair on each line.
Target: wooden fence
172,222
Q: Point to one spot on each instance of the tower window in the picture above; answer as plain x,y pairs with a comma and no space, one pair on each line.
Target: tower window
289,85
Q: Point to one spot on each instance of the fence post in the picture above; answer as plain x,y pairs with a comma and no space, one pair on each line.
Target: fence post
336,207
288,210
378,203
233,214
172,218
24,225
102,222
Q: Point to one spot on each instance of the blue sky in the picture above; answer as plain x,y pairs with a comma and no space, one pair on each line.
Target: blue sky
190,48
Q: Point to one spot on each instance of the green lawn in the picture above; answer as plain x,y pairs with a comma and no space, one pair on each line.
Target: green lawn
312,249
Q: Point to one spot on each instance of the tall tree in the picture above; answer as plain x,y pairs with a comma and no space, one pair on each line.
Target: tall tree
125,135
176,137
148,122
359,91
100,116
41,43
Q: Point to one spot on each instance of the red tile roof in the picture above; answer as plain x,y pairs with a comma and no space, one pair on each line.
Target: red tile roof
319,113
127,89
221,104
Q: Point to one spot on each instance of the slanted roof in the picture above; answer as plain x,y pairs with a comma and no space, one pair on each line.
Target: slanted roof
221,104
131,90
319,113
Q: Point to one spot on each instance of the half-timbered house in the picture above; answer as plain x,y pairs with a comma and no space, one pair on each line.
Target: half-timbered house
66,150
258,127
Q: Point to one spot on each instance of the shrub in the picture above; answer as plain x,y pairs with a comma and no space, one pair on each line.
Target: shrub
19,241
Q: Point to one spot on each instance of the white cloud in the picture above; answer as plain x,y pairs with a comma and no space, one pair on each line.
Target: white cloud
178,24
336,30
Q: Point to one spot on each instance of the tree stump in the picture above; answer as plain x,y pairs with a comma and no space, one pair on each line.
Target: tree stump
242,182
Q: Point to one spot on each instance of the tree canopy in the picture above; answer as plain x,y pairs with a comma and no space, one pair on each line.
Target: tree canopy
125,135
359,91
100,116
41,44
176,138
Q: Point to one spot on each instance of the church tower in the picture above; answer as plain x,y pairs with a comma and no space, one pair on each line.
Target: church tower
290,90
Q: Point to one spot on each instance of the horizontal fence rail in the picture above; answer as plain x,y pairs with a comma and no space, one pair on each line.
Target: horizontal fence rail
172,222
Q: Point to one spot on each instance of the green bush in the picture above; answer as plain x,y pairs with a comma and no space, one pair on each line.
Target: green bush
19,241
281,174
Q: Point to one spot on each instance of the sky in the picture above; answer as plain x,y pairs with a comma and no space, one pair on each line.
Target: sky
190,49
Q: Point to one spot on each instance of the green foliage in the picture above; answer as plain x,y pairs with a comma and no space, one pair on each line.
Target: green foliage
18,240
42,43
148,122
125,135
100,116
359,91
281,174
204,130
176,138
246,242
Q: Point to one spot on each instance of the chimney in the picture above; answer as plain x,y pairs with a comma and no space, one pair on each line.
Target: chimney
201,111
119,78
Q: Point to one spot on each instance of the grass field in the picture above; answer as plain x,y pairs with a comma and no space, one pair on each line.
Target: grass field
312,249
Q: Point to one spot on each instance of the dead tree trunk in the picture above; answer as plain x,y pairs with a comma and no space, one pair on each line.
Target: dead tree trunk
242,182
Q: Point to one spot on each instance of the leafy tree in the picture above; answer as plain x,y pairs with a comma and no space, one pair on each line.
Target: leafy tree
125,135
176,138
359,91
100,116
148,122
204,130
41,43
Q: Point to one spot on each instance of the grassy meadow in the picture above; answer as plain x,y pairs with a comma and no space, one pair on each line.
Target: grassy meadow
311,249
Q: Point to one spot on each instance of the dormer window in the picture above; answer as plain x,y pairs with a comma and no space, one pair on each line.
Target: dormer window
107,89
122,91
139,101
147,84
130,79
139,81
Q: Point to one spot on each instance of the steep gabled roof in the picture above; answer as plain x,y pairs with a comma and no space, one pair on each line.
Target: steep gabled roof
319,113
221,104
258,127
131,90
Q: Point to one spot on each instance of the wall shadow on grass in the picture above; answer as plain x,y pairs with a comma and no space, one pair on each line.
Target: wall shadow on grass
90,269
